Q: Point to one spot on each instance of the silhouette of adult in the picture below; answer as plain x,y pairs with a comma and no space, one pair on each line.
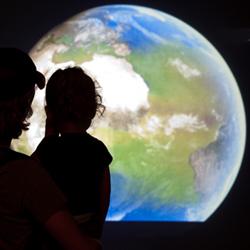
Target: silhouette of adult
78,162
28,196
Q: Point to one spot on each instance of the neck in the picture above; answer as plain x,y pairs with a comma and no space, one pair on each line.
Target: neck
69,127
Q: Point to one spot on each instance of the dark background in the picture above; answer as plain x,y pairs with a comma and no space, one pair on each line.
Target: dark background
226,24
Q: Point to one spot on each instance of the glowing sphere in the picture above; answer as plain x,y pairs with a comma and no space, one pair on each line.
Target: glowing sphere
174,121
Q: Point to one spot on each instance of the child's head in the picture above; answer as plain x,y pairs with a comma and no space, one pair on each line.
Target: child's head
18,78
71,96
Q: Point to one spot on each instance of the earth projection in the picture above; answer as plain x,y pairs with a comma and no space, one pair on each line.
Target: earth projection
174,120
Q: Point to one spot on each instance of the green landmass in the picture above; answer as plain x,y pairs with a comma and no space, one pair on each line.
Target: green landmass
169,90
65,40
163,172
83,53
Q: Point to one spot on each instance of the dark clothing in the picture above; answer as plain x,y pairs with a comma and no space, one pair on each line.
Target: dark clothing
76,162
28,197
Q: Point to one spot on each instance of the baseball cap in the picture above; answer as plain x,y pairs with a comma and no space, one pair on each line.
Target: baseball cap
18,74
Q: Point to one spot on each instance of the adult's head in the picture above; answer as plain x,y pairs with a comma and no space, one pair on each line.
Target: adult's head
71,96
18,78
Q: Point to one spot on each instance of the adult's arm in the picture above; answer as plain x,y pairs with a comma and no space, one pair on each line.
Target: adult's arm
63,228
43,201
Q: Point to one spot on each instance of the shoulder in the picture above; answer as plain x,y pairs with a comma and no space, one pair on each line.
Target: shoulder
47,144
40,195
22,168
25,173
98,144
101,149
13,160
26,167
91,139
8,155
48,141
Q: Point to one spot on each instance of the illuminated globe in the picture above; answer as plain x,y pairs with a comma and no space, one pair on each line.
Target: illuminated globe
174,120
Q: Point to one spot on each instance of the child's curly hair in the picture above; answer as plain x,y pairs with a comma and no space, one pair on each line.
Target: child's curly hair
71,95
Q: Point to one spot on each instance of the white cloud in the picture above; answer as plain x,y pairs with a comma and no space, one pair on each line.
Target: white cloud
154,13
187,71
117,216
95,30
122,88
153,123
124,18
187,122
121,49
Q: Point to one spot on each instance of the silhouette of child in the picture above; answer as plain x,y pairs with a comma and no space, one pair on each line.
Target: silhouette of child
77,161
29,199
